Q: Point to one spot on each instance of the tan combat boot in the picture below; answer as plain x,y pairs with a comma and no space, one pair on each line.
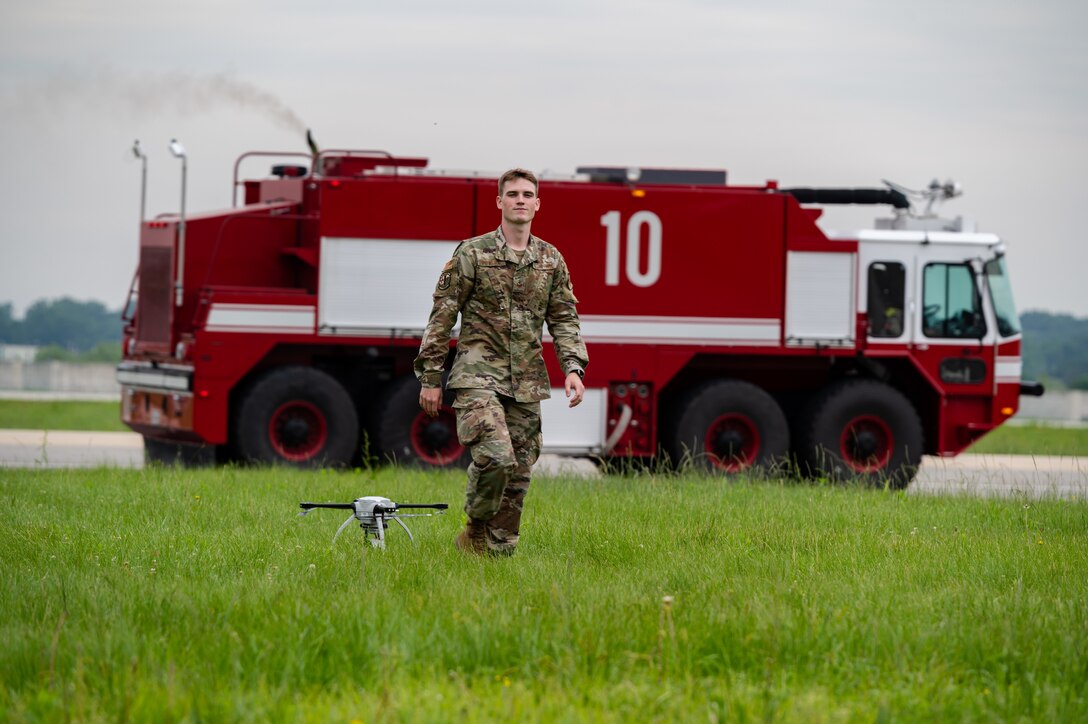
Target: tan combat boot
473,539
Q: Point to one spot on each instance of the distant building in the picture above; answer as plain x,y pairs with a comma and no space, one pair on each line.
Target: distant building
18,352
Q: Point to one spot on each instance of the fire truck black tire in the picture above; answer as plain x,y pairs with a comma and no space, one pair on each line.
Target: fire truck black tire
862,429
161,452
298,416
406,436
728,426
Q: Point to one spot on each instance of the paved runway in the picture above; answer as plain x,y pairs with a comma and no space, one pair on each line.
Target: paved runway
1004,475
69,449
978,475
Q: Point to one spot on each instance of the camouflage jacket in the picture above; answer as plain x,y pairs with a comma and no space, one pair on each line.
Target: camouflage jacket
503,305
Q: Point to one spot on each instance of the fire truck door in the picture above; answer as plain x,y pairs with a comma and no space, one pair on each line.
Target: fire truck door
820,299
378,285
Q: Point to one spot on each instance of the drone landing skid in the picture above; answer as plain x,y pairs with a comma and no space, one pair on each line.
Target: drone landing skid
375,526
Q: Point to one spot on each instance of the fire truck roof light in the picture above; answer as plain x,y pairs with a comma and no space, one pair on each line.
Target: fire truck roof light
289,171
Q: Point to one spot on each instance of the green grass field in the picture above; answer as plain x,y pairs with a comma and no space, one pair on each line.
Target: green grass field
170,594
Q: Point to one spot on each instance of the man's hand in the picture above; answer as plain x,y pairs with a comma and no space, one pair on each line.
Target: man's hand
574,384
430,399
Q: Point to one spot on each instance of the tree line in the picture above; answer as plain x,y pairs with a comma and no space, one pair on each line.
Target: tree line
1055,349
65,330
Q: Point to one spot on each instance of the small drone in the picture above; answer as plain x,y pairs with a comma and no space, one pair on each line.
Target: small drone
372,513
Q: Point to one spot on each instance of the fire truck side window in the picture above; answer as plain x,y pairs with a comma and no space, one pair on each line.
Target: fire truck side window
887,292
952,306
1008,323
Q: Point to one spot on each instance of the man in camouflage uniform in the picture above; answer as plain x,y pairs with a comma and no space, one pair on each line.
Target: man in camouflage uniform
505,285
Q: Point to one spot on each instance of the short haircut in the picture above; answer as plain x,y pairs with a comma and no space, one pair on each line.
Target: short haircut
516,173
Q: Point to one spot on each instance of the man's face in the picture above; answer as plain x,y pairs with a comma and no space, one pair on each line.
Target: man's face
519,202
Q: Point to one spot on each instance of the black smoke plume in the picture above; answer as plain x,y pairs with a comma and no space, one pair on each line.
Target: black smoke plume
170,93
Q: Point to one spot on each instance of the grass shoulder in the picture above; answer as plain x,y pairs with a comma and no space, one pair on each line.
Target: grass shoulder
1034,439
1030,439
91,415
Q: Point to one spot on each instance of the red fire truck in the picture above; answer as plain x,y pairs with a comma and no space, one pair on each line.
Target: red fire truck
724,327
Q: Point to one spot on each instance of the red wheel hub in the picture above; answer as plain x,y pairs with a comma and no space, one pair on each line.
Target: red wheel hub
434,439
866,444
732,442
297,430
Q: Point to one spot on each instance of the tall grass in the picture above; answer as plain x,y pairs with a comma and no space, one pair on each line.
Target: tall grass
169,594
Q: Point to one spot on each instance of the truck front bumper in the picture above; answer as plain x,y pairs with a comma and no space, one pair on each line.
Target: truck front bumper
157,401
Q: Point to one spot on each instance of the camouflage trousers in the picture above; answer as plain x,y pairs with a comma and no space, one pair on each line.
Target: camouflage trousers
503,437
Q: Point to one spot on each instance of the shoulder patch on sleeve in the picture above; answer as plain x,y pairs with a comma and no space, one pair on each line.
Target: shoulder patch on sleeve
447,279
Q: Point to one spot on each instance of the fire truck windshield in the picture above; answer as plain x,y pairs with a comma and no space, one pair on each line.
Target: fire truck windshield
997,279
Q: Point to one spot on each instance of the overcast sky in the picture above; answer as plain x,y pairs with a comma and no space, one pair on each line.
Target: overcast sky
835,93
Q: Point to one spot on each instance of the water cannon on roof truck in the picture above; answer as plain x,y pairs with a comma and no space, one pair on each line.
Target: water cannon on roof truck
724,327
